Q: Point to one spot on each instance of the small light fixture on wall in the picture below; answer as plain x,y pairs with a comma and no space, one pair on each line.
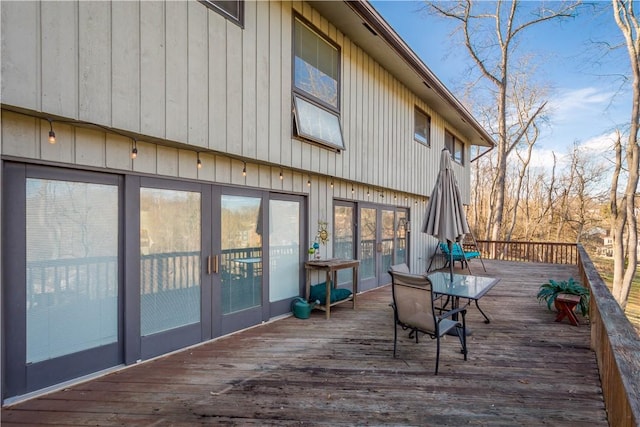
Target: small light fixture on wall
244,169
52,134
199,162
134,150
281,177
309,182
331,184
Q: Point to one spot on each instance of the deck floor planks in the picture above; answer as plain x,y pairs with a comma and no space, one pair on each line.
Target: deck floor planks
523,369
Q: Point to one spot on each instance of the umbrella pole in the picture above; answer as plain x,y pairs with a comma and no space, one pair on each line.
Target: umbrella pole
450,245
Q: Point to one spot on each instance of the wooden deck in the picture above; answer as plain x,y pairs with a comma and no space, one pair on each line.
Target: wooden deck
523,369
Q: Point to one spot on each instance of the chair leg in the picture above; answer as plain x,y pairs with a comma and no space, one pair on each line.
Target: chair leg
437,353
395,337
462,334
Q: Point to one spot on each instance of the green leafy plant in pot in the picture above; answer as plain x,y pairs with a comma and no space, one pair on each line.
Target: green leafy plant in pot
550,290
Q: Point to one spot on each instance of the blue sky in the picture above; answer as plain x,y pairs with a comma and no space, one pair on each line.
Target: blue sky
587,98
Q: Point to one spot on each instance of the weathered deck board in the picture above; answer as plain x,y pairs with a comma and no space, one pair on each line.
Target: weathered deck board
523,369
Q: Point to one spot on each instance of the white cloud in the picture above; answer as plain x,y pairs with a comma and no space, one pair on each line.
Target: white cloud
570,103
543,158
601,144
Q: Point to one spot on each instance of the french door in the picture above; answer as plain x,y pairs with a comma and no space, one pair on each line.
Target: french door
238,230
381,235
100,269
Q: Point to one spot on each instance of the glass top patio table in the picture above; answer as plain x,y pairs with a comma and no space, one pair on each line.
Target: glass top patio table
462,286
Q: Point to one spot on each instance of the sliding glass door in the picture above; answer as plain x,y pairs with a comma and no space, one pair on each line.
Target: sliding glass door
101,269
62,233
286,257
170,265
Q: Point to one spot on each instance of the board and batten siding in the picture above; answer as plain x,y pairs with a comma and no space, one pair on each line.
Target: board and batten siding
179,72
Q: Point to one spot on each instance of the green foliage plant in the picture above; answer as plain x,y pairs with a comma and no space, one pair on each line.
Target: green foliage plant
550,290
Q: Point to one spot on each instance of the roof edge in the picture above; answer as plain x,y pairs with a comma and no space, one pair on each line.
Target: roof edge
371,16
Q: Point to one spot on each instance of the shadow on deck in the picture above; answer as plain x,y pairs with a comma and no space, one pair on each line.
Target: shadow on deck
523,369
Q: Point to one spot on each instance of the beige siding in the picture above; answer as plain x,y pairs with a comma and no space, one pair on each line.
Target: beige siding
152,68
181,72
217,74
21,50
176,69
94,53
60,53
125,72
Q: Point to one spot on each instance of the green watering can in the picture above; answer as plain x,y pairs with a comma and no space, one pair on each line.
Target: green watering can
301,308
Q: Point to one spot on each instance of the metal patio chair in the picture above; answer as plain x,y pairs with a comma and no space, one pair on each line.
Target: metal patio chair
414,309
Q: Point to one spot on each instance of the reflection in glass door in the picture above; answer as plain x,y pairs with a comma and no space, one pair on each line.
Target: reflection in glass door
368,232
402,229
62,275
284,249
343,238
241,262
169,259
72,267
383,242
387,243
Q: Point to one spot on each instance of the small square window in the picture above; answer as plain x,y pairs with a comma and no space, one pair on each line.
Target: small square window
230,9
422,127
455,147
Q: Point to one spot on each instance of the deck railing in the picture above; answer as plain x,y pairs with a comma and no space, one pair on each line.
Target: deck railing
617,347
549,252
613,338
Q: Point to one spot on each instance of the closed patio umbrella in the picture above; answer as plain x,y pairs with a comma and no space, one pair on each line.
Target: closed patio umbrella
445,219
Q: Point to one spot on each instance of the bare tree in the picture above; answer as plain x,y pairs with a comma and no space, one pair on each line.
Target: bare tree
623,210
491,39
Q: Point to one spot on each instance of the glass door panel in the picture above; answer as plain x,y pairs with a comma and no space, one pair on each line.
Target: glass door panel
368,233
62,245
284,249
343,238
386,238
169,259
241,261
72,267
400,252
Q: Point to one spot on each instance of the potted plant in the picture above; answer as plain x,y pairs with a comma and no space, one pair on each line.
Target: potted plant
550,290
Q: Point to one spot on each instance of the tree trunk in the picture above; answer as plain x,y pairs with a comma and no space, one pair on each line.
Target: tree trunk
625,217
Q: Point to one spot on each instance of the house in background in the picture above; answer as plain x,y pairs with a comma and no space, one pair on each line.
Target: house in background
166,165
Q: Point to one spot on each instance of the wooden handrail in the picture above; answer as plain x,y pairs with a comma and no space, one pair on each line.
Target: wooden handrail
617,347
547,252
613,338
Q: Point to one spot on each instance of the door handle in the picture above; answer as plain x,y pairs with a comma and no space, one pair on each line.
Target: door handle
212,264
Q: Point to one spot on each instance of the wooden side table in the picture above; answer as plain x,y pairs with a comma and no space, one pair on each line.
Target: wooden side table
565,304
331,267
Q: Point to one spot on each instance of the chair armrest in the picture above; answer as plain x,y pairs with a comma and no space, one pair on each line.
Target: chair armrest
462,310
